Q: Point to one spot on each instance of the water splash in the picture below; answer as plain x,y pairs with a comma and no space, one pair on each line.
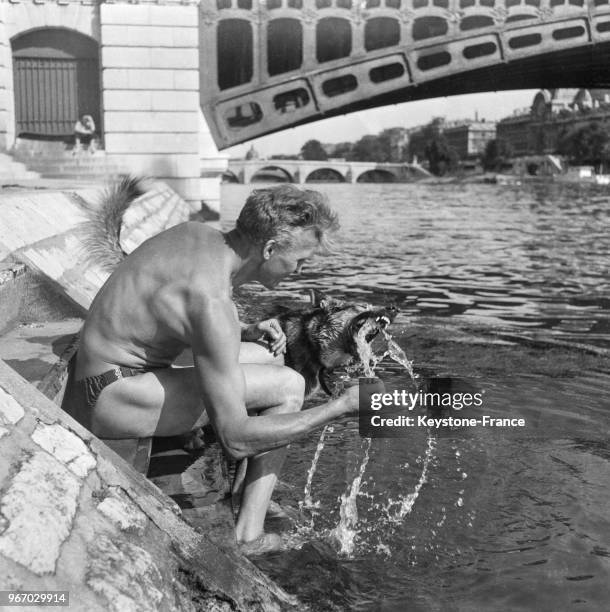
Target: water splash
394,511
367,356
308,502
398,355
397,510
345,532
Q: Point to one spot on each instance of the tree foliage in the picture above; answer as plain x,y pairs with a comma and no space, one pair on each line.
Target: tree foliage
441,157
314,151
496,155
370,149
588,144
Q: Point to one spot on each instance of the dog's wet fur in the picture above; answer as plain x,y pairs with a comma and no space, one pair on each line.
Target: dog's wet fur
322,337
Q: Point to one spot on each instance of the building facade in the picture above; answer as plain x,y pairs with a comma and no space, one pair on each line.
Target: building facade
132,66
468,138
552,115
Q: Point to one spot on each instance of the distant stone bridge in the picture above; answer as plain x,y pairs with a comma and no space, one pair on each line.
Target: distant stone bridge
301,171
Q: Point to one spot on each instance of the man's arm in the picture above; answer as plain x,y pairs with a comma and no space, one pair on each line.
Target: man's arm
215,334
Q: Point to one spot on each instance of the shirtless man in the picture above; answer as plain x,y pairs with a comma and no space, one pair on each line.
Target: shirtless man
174,292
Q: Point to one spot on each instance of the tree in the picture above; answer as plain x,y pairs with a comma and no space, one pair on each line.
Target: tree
497,155
342,150
370,149
314,151
588,144
441,157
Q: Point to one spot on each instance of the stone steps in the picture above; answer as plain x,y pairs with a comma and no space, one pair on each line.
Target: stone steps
11,170
58,160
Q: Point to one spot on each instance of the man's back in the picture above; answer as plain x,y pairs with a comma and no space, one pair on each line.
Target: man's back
139,317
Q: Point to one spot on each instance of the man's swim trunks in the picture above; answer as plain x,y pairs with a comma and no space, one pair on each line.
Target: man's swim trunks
93,385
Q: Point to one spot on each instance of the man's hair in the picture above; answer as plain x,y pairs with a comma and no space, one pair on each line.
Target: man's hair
274,213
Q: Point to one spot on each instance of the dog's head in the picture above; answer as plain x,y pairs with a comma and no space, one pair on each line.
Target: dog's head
342,328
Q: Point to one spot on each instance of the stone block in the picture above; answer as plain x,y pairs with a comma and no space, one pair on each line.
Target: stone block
174,15
127,57
124,14
139,36
162,121
151,79
39,505
175,100
182,58
160,166
127,100
10,411
115,78
153,143
66,447
186,79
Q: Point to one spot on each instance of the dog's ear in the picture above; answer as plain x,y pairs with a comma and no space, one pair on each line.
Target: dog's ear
315,297
331,304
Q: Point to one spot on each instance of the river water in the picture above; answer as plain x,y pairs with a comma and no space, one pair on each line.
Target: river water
503,288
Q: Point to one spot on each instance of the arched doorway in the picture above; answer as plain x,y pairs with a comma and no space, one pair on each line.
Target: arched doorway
56,80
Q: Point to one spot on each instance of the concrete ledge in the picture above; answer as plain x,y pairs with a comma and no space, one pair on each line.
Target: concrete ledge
46,231
74,516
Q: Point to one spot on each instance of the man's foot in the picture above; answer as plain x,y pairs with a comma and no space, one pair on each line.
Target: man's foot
265,543
275,511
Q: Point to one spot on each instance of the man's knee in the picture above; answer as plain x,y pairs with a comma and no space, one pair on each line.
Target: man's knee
293,387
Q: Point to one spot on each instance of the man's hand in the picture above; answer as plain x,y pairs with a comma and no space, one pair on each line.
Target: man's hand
351,395
269,331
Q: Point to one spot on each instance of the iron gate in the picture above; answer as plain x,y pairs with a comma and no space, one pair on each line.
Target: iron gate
51,93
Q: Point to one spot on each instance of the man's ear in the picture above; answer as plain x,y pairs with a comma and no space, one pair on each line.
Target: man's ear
269,248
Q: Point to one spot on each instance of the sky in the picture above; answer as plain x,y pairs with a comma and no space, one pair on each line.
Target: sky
489,106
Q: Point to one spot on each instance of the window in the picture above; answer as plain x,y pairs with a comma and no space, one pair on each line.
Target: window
434,60
428,27
481,50
568,33
243,115
234,53
339,85
333,39
476,21
284,45
387,72
289,101
381,32
524,41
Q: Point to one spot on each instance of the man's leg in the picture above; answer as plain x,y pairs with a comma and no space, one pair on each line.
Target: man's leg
263,470
167,402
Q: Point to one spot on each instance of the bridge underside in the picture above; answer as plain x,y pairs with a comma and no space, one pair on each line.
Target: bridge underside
304,60
587,67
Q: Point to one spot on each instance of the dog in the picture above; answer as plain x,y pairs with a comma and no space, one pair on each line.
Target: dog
327,335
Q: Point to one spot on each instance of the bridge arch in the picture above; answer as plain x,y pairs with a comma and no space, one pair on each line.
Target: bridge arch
377,175
325,175
229,176
272,173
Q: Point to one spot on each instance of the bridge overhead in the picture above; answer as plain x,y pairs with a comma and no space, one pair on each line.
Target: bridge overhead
266,66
